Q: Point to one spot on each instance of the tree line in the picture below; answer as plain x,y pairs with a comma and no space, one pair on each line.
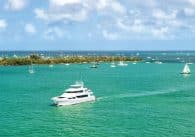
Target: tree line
36,59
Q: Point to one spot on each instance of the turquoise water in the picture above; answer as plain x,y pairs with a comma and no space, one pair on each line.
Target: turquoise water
136,101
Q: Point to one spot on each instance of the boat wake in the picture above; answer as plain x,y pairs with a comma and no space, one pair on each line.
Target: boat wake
138,94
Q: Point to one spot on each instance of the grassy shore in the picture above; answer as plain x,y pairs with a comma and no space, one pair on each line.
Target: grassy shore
35,59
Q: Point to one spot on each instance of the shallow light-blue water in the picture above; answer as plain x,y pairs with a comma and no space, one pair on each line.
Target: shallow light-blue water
140,100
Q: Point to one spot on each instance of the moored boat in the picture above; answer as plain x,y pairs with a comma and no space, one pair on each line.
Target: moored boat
186,69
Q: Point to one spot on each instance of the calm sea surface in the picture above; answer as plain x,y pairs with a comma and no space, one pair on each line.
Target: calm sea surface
140,100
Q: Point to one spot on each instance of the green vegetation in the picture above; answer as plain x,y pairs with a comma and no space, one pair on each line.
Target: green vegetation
35,59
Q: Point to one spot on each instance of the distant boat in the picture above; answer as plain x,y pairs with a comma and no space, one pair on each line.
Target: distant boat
94,65
97,63
67,64
121,63
15,56
186,69
158,62
31,70
112,65
51,65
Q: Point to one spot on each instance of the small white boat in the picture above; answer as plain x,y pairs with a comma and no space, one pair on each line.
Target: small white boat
112,65
121,63
15,56
158,62
67,64
76,94
186,69
31,70
51,65
94,65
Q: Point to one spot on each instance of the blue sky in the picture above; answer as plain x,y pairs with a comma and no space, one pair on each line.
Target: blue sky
97,25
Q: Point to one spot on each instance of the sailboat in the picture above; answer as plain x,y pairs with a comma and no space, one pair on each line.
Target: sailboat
51,64
31,70
51,61
112,65
186,69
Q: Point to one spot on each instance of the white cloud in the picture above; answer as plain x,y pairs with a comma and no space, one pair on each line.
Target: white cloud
64,2
123,26
135,26
30,28
40,13
145,4
109,6
101,4
120,19
160,14
192,2
118,7
79,16
53,32
161,32
3,24
78,10
189,12
60,10
15,5
89,34
110,35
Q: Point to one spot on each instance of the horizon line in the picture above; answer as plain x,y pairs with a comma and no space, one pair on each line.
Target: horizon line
93,50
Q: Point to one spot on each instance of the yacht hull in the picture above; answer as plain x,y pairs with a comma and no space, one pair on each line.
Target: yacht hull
185,73
67,102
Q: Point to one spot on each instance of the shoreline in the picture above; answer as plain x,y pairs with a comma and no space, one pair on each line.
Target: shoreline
35,59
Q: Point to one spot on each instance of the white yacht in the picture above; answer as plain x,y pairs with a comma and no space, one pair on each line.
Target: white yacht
186,69
121,63
76,94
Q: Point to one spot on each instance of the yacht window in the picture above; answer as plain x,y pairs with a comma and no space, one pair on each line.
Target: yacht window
61,97
79,91
81,96
72,98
